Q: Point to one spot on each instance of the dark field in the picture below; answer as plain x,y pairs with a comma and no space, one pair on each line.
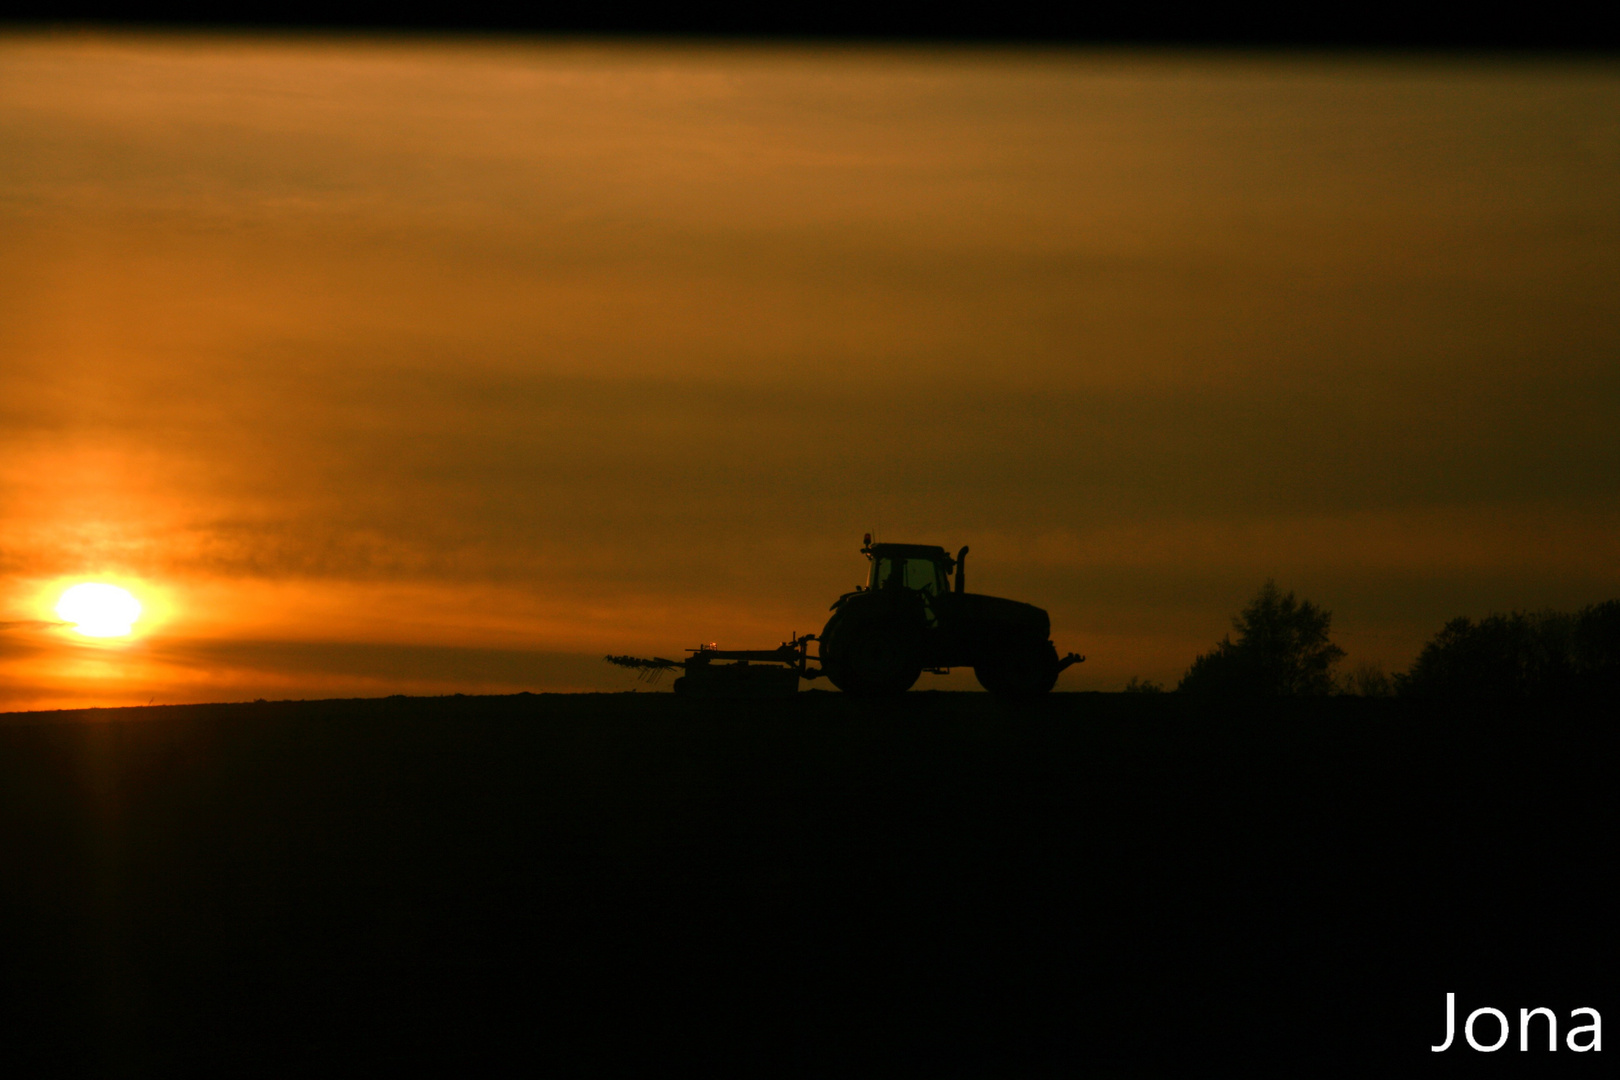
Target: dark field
937,885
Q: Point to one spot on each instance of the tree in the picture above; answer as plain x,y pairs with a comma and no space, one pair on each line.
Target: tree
1520,655
1282,650
1597,648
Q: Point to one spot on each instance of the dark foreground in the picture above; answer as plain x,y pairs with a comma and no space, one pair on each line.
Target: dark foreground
814,886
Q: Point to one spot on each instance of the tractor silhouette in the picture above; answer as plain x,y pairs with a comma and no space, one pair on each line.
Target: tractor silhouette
910,618
907,619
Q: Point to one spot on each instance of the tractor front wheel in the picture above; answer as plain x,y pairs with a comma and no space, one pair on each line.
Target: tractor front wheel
1020,672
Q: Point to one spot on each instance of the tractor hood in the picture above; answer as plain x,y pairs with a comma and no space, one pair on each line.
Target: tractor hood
1009,616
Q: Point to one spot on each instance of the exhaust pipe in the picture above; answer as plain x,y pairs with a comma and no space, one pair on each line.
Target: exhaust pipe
961,569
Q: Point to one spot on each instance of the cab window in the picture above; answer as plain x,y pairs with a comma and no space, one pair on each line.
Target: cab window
918,575
923,576
882,572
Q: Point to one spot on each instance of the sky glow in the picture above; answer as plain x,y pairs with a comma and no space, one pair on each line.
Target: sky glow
435,368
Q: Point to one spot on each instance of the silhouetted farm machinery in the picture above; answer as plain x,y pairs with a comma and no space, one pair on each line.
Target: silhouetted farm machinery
907,619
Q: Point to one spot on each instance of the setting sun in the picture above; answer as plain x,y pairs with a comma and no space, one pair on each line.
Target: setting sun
99,610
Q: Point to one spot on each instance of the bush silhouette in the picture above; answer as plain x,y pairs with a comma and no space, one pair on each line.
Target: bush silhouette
1519,656
1367,680
1282,650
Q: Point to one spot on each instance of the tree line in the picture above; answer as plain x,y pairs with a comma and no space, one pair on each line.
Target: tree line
1280,646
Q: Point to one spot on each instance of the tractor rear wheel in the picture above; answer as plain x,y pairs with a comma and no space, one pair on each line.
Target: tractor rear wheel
871,654
1020,671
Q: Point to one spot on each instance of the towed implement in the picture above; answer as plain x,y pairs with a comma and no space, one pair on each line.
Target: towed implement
909,617
711,671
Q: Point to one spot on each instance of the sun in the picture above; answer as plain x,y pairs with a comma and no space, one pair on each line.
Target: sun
99,610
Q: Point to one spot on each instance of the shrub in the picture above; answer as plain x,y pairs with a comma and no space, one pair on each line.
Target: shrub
1282,650
1367,679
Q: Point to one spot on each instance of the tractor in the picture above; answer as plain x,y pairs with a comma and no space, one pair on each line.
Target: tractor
907,619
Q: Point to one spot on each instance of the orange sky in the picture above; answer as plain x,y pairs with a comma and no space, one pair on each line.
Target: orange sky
382,367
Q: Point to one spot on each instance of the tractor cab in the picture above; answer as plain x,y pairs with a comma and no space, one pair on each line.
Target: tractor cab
909,573
910,566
